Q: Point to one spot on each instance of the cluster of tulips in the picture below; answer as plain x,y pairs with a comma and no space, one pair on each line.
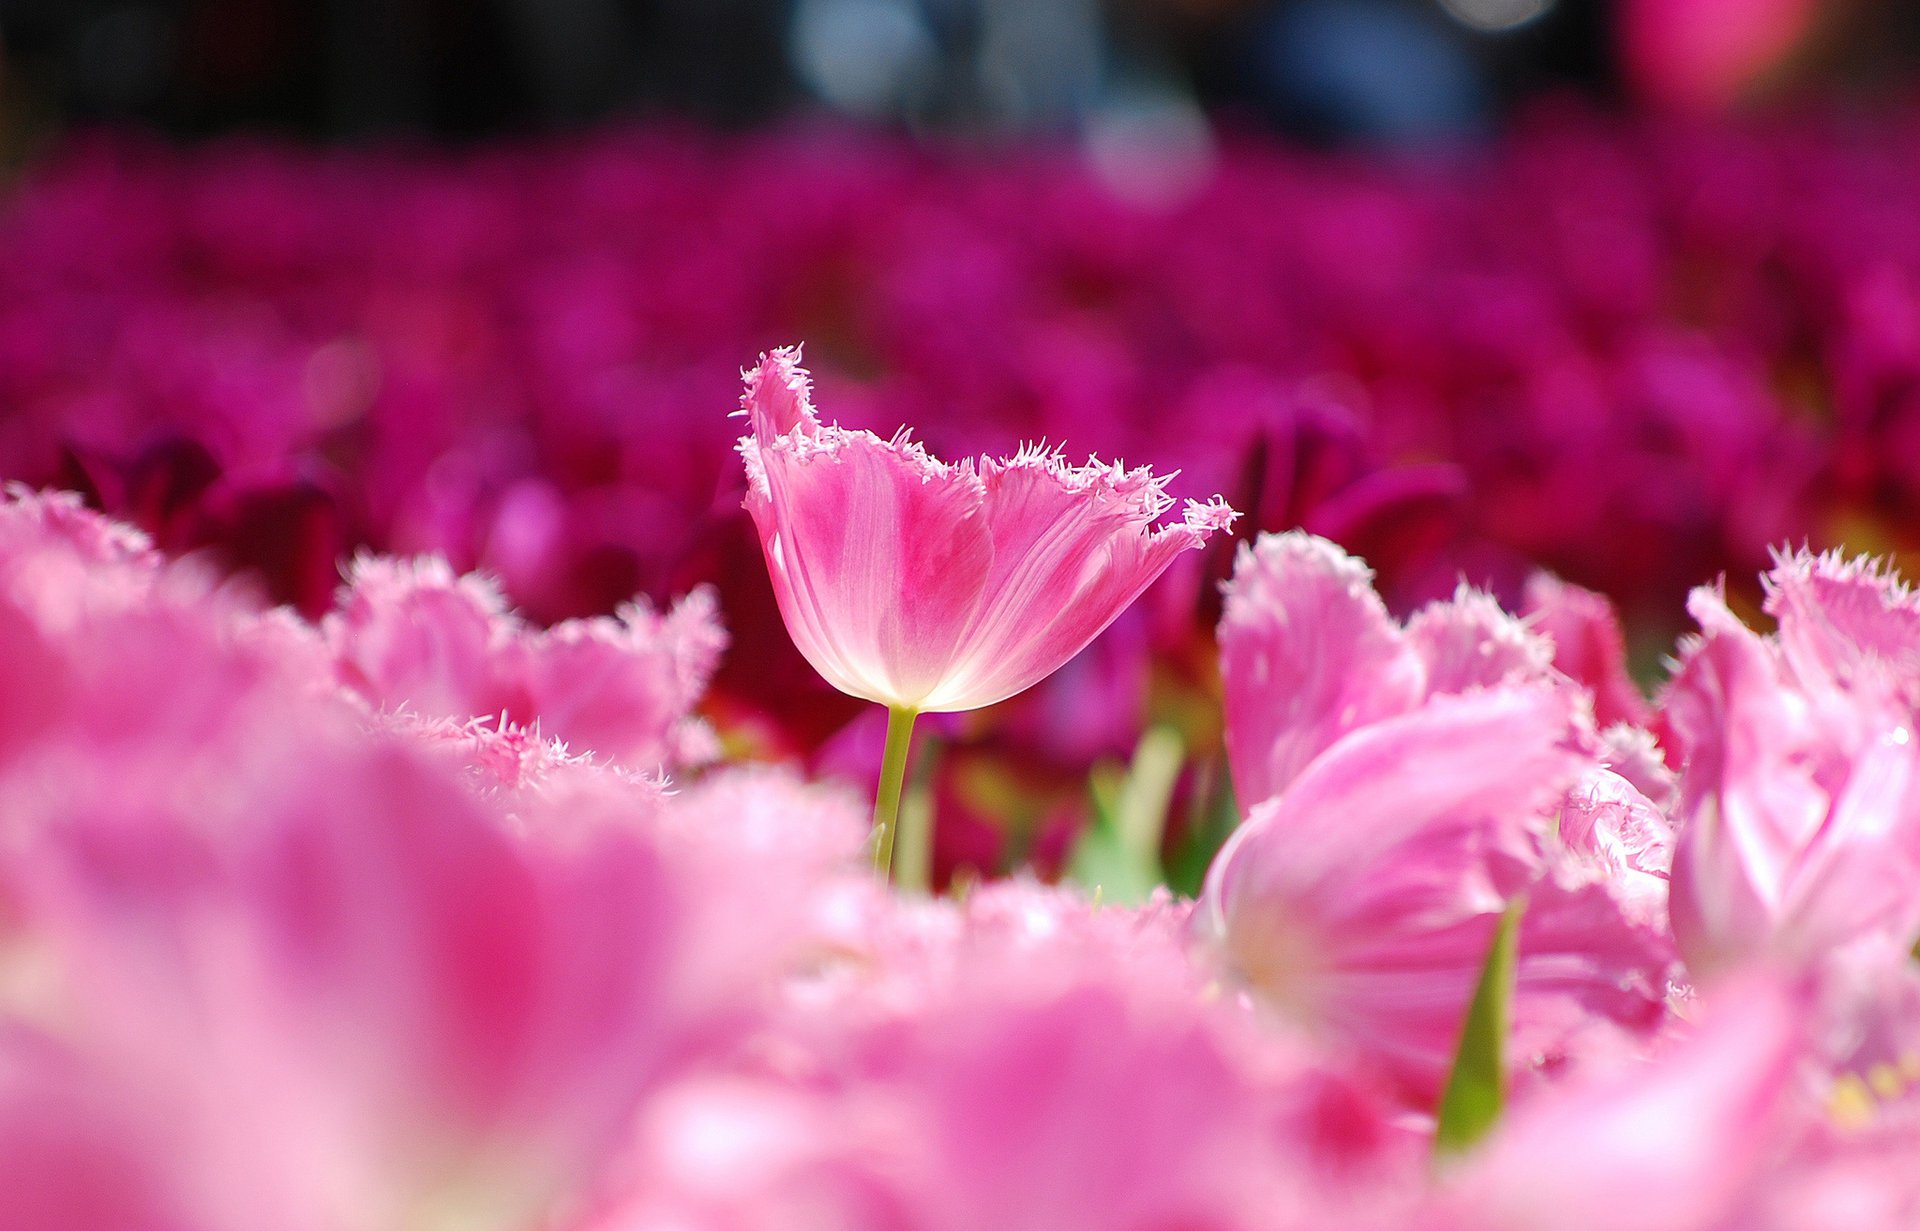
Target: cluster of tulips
1595,337
419,915
1594,334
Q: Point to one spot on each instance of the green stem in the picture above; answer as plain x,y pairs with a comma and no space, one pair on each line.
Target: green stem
893,772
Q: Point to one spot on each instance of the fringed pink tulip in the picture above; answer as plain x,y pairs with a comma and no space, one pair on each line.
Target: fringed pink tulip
929,587
1800,792
1403,785
410,635
1361,901
933,587
1588,645
1308,654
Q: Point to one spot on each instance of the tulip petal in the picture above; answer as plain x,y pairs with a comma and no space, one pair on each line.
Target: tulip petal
1751,800
1668,1146
1364,897
1588,645
1307,653
1844,621
1469,642
1072,548
877,551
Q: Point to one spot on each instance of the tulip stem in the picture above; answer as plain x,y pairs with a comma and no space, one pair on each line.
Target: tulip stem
893,773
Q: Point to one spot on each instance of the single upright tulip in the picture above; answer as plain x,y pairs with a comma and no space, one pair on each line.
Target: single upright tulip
931,587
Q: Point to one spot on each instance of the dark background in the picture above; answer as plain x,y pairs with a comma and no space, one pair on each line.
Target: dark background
1374,70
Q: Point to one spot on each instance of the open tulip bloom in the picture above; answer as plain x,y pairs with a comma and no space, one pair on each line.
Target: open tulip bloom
927,586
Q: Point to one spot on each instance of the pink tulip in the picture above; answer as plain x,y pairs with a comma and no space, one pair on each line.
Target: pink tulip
1020,1060
1362,899
1800,808
1308,653
412,636
367,996
1409,779
930,587
1667,1146
933,587
265,961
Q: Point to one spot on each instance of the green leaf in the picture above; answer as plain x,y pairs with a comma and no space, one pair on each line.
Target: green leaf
1119,854
1477,1087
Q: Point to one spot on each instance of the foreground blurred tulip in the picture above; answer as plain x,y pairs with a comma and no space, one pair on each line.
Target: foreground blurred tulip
930,587
1663,1146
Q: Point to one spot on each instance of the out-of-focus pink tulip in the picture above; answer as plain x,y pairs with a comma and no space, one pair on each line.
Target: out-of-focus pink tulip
932,587
1674,1145
412,636
293,963
1022,1060
370,999
1852,1167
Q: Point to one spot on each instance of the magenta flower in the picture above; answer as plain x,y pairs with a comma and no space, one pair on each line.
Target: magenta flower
932,587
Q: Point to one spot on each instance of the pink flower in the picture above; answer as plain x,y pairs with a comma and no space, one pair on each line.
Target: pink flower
366,996
930,586
1308,653
1361,900
1403,783
1800,786
1020,1060
411,636
1669,1146
295,966
1588,645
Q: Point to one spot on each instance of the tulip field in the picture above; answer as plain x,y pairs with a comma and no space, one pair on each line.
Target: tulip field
583,684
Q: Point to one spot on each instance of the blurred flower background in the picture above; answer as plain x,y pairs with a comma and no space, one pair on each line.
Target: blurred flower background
415,814
1624,291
